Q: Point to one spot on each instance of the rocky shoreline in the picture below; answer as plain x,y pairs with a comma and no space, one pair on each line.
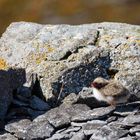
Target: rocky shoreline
45,76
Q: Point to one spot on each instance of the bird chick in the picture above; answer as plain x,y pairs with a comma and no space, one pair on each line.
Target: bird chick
110,91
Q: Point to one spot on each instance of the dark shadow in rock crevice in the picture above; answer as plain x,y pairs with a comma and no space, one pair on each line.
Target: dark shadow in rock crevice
74,79
36,88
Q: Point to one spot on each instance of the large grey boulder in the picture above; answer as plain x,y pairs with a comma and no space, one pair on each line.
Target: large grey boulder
72,56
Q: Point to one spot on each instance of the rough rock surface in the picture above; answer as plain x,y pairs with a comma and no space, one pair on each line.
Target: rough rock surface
45,74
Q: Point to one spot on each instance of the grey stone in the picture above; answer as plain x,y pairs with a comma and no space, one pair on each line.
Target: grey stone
135,129
138,134
60,116
70,99
97,113
60,137
90,127
19,103
78,123
131,119
23,112
129,138
127,109
38,104
79,136
108,133
18,127
7,136
72,129
39,130
73,55
111,119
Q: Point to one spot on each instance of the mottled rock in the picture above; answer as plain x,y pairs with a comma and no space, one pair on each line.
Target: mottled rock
23,112
7,136
129,138
72,56
39,130
60,137
18,127
70,99
97,113
135,129
108,133
79,136
91,126
127,109
60,116
131,119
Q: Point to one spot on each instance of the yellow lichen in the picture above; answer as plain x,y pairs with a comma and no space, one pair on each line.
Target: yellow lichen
3,64
40,58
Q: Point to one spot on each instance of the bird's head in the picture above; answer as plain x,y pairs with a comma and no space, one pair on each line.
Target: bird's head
99,82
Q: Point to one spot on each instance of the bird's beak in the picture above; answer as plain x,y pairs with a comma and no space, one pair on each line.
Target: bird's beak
93,84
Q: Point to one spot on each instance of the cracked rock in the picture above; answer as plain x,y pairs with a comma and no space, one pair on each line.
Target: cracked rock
39,130
18,127
97,113
108,133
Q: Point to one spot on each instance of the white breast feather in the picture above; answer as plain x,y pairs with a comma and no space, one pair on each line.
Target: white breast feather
98,95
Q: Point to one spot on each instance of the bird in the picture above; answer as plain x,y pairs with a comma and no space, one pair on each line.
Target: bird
109,91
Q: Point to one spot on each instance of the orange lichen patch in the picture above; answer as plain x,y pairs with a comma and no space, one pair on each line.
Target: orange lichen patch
3,64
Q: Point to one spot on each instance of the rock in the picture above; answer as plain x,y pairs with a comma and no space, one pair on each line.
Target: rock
91,126
59,137
78,123
23,112
108,133
131,120
60,117
39,130
70,99
79,136
7,136
111,119
138,134
38,104
24,91
135,129
18,127
72,56
129,138
127,109
97,113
